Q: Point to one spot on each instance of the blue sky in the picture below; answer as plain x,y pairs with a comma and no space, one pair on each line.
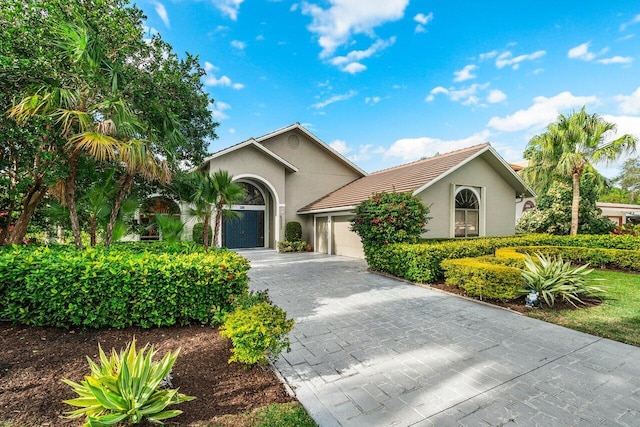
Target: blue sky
386,82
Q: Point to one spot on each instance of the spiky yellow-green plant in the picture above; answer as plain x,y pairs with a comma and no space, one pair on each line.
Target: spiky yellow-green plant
124,387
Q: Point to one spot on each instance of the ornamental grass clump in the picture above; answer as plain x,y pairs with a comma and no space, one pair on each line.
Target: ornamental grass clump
554,278
126,388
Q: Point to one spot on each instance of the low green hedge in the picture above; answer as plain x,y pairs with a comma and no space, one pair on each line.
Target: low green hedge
619,259
421,262
481,278
139,284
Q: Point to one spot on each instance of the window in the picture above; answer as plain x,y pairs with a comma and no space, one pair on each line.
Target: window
528,205
467,219
151,208
253,196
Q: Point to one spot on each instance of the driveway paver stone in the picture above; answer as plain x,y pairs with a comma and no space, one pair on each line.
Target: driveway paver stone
368,350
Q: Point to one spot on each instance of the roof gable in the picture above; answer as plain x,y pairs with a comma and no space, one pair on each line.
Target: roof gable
252,143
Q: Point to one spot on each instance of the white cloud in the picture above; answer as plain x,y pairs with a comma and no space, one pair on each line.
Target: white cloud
581,52
506,58
616,60
488,55
259,37
351,59
212,80
238,44
335,98
633,21
630,104
538,71
422,20
229,7
372,100
335,26
354,67
496,96
409,149
218,109
162,13
466,95
465,74
232,131
543,112
340,146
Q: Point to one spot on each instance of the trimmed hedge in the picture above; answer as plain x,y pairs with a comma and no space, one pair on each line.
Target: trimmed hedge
620,259
481,278
143,285
421,262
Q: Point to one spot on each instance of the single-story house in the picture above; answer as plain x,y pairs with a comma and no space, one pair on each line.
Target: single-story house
291,175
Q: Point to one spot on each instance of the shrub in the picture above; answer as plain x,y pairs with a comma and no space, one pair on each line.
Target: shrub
421,262
554,278
290,246
197,234
619,259
387,218
109,287
293,231
125,388
257,333
483,279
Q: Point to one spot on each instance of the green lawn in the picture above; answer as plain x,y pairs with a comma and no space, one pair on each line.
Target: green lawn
618,317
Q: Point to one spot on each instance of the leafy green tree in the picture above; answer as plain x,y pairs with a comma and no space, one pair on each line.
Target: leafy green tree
629,178
568,149
387,218
552,213
227,193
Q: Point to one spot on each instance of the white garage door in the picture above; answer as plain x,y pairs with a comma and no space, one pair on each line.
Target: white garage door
345,242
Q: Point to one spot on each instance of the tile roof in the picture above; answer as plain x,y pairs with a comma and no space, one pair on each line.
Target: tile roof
403,178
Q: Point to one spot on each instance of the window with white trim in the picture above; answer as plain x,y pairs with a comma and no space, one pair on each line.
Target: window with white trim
467,213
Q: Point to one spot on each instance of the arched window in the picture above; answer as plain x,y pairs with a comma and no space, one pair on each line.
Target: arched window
253,195
528,205
467,220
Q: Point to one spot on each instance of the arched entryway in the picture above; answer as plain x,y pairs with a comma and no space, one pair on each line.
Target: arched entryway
152,207
248,226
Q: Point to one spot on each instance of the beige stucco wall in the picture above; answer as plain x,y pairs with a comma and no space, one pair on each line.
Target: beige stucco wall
499,200
319,173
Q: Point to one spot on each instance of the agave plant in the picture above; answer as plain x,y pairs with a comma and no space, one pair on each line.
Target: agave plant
554,278
125,387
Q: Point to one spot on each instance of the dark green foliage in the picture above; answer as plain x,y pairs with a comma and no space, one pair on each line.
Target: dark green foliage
293,231
198,233
145,285
421,262
258,333
617,259
552,213
387,218
483,279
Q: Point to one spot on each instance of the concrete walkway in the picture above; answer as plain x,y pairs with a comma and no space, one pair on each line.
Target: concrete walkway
372,351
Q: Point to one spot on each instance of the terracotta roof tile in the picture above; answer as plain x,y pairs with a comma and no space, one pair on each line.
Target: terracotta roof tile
403,178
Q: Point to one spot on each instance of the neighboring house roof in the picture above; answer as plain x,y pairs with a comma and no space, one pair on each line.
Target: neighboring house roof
414,177
252,142
620,206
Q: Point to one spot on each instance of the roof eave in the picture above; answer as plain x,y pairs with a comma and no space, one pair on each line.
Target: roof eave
327,210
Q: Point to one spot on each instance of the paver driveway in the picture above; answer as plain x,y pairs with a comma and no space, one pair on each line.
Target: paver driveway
372,351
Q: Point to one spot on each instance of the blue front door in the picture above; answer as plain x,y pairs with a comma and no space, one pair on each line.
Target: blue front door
247,231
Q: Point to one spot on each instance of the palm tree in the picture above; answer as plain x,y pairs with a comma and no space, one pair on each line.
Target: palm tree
228,193
569,148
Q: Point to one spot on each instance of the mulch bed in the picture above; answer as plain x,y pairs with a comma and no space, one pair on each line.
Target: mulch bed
33,361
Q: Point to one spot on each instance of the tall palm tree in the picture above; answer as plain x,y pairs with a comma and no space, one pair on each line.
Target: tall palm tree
571,146
228,193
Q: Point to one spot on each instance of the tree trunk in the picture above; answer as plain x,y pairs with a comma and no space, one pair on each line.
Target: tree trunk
70,197
92,230
216,231
575,204
205,232
124,187
4,232
29,205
